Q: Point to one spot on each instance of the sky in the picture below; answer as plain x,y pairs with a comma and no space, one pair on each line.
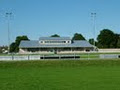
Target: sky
39,18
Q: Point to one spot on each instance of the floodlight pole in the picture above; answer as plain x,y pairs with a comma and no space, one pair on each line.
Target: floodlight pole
8,15
93,15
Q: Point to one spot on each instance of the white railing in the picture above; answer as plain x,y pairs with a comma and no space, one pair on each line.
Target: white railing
61,57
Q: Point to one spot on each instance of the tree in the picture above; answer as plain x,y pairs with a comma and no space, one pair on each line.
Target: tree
78,36
0,49
91,41
14,47
55,35
118,42
115,41
106,38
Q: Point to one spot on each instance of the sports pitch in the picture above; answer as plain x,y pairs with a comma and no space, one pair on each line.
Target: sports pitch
60,75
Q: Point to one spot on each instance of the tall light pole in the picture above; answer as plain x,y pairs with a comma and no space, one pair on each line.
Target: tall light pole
8,15
93,15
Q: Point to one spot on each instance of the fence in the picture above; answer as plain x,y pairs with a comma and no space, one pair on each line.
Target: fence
26,57
38,57
44,57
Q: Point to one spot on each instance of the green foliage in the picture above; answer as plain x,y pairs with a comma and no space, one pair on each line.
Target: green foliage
115,41
0,50
91,41
107,39
14,47
55,35
78,36
60,75
118,43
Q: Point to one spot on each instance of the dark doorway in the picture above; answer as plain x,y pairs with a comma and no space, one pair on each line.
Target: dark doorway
55,51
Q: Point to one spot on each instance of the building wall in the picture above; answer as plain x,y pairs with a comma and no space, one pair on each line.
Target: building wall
22,51
58,51
109,50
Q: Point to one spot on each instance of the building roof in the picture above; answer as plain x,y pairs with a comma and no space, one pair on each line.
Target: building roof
36,44
54,38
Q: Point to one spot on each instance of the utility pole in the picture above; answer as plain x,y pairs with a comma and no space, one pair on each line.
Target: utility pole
8,15
93,15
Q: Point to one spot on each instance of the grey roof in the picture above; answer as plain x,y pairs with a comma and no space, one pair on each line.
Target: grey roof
36,44
81,43
54,38
32,43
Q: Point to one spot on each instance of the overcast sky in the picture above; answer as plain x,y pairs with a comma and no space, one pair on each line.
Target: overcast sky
36,18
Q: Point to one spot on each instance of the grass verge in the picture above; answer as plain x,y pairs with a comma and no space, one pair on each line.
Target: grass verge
60,75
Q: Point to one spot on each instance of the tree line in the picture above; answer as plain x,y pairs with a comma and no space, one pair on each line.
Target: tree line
106,39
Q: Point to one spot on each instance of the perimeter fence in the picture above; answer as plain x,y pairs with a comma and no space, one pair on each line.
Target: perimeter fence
59,57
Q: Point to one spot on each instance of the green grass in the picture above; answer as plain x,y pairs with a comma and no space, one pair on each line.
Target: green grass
60,75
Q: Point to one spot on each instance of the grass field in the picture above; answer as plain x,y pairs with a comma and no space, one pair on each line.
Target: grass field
60,75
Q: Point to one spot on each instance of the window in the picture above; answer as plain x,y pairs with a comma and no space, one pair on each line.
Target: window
55,41
41,41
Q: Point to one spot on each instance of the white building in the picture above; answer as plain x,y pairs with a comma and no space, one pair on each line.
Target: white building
55,45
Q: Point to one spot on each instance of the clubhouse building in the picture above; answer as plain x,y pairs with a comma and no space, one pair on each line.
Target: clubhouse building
55,45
